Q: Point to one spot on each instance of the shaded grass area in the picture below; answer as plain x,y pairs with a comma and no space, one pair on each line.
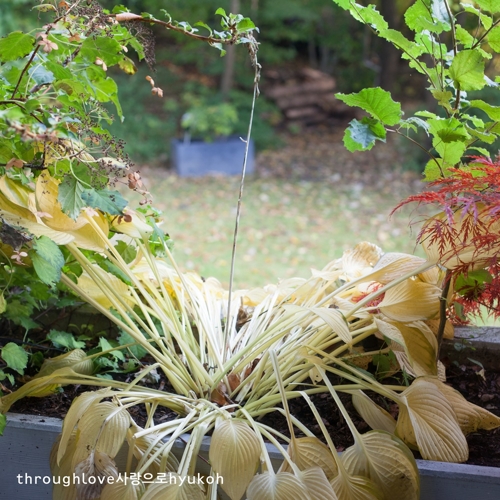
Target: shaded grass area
287,227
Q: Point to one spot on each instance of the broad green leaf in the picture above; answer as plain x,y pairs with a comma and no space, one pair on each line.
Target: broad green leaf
420,17
59,71
15,45
73,88
493,112
221,12
492,6
102,47
106,346
485,19
47,259
137,350
281,486
110,202
464,37
383,458
369,15
64,339
70,196
245,24
467,70
361,135
40,74
375,101
234,454
427,420
494,39
15,357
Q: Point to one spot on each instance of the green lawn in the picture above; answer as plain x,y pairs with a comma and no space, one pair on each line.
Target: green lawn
286,228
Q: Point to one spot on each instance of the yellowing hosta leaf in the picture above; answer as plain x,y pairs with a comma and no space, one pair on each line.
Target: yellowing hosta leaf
46,192
360,260
470,416
349,487
122,490
334,319
307,452
14,191
426,420
103,426
375,416
136,228
420,346
90,287
281,486
79,406
174,487
411,301
13,209
234,454
97,466
64,469
76,360
393,265
386,460
317,484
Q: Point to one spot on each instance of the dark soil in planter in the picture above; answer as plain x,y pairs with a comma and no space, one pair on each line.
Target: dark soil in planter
478,386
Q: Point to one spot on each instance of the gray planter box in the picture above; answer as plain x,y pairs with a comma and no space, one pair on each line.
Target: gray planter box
223,156
27,441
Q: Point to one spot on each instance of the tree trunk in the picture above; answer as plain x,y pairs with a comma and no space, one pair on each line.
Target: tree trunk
227,81
388,54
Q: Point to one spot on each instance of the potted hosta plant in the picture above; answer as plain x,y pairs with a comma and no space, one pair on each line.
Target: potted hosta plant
208,145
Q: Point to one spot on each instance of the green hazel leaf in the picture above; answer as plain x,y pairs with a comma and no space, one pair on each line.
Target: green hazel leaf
418,17
450,152
15,46
481,151
433,169
40,75
375,101
221,12
467,70
15,357
344,4
494,38
127,252
492,6
102,47
70,196
464,37
441,12
32,105
59,71
370,16
484,19
73,88
64,340
110,202
443,97
493,112
401,42
106,346
47,259
245,24
361,135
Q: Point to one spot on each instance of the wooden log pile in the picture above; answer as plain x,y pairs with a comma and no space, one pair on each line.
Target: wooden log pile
305,96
